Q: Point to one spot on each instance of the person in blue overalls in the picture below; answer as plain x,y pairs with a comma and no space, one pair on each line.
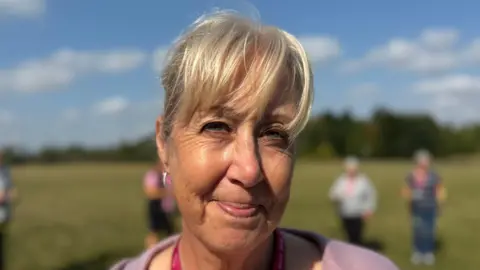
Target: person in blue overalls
423,191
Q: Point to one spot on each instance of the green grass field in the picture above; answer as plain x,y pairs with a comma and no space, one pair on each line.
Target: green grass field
74,217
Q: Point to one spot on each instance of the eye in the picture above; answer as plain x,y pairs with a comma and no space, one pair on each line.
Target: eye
216,127
277,134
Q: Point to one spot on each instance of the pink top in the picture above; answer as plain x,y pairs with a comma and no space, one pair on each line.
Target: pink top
350,187
153,179
336,255
420,178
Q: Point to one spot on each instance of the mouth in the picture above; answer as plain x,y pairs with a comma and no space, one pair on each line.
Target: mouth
239,210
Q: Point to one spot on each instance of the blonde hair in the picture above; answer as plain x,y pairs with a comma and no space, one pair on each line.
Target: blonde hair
223,54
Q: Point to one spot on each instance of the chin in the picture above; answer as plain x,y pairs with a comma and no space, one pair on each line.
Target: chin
231,240
224,233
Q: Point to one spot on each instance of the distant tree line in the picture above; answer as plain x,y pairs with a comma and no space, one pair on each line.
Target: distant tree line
385,134
328,135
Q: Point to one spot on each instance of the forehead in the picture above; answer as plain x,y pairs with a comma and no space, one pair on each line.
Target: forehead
351,166
279,107
423,157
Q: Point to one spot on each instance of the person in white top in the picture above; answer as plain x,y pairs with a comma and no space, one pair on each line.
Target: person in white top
355,199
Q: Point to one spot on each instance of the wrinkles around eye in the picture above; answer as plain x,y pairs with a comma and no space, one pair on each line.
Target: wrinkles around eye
275,134
222,127
217,127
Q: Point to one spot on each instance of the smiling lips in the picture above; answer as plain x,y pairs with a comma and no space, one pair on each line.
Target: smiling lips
239,210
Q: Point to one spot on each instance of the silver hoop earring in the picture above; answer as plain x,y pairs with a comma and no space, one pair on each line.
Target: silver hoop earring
164,179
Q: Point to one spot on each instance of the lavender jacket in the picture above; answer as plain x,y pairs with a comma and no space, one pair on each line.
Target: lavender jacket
336,255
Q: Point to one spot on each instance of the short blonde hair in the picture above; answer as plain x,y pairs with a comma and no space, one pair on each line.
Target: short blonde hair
223,54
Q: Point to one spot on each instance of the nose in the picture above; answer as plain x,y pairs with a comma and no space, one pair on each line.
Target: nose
245,168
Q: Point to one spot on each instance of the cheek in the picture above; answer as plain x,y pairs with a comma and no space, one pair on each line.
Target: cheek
196,168
278,170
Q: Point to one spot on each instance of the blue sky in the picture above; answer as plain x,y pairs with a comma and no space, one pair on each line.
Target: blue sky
83,71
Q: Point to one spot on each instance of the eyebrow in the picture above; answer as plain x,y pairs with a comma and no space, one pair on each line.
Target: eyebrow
277,116
225,112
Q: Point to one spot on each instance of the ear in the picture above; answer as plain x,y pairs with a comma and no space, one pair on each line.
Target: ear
161,142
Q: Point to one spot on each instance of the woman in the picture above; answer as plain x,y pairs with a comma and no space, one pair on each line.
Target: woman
423,190
7,196
159,204
237,94
355,198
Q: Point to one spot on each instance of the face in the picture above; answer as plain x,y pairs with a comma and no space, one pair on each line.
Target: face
159,166
231,174
423,162
351,169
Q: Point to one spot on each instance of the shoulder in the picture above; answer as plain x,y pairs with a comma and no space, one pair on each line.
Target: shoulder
409,177
342,256
148,257
338,255
435,175
340,178
4,169
4,176
301,253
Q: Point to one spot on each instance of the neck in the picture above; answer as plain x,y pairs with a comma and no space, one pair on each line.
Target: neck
195,255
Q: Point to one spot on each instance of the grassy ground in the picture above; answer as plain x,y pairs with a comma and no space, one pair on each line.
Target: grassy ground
76,217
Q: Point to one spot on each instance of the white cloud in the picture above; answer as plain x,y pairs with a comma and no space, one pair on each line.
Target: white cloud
452,97
321,48
433,51
22,8
110,106
407,55
451,84
471,55
446,102
64,66
440,39
6,117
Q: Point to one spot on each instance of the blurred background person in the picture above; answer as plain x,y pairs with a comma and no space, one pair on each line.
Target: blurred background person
7,194
160,204
355,198
423,190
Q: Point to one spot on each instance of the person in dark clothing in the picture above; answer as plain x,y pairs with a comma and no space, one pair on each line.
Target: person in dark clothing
353,228
159,205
